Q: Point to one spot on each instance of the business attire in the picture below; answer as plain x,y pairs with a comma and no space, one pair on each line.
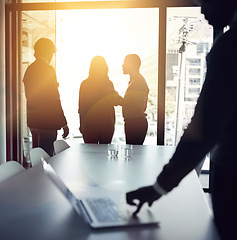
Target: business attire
44,111
213,128
96,110
134,107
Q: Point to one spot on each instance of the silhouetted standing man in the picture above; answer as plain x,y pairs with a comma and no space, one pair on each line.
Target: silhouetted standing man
135,102
213,127
44,111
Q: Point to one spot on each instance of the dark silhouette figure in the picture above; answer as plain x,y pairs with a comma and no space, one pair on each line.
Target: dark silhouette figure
97,99
212,128
135,102
44,111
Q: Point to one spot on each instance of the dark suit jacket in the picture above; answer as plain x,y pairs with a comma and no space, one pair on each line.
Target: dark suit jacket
44,110
214,123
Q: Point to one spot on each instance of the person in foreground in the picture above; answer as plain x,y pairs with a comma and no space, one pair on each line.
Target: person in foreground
135,102
212,128
44,111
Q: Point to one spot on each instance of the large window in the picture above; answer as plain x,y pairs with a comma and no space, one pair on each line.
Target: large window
171,37
79,35
111,33
189,38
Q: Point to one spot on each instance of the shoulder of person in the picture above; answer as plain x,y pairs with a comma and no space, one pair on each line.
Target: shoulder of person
226,41
84,82
30,69
110,84
51,68
31,66
40,63
140,84
224,49
87,85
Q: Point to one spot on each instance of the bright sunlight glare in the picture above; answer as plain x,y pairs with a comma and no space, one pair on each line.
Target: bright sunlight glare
83,34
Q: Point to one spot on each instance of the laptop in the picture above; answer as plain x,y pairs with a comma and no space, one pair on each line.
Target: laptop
104,209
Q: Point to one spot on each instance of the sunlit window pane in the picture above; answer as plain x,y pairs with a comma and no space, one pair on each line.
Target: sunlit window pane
82,34
189,39
79,36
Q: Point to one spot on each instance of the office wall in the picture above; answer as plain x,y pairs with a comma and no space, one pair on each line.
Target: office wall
2,84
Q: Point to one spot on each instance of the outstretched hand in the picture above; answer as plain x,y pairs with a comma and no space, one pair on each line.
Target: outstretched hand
144,194
65,131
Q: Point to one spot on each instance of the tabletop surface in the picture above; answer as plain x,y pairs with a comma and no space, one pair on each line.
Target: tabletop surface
32,207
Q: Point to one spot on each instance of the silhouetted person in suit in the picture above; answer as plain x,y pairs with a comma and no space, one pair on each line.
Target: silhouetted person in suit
212,128
44,111
97,99
135,102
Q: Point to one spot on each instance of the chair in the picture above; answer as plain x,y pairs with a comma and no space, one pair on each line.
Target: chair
36,154
60,145
10,169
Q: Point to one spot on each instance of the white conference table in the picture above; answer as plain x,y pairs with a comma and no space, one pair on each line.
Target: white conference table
31,207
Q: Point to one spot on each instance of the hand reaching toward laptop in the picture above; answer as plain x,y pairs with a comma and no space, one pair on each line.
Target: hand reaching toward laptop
143,195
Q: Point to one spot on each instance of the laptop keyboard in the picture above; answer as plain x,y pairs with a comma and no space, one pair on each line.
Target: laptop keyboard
104,209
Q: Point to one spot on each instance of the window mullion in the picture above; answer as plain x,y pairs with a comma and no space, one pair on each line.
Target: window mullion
161,75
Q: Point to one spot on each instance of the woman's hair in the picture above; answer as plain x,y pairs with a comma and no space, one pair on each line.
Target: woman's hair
98,68
43,47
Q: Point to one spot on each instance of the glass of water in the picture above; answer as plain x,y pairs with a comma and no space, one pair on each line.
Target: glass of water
127,150
113,150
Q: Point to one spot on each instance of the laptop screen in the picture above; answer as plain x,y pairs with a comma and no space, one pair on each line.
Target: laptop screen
50,172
